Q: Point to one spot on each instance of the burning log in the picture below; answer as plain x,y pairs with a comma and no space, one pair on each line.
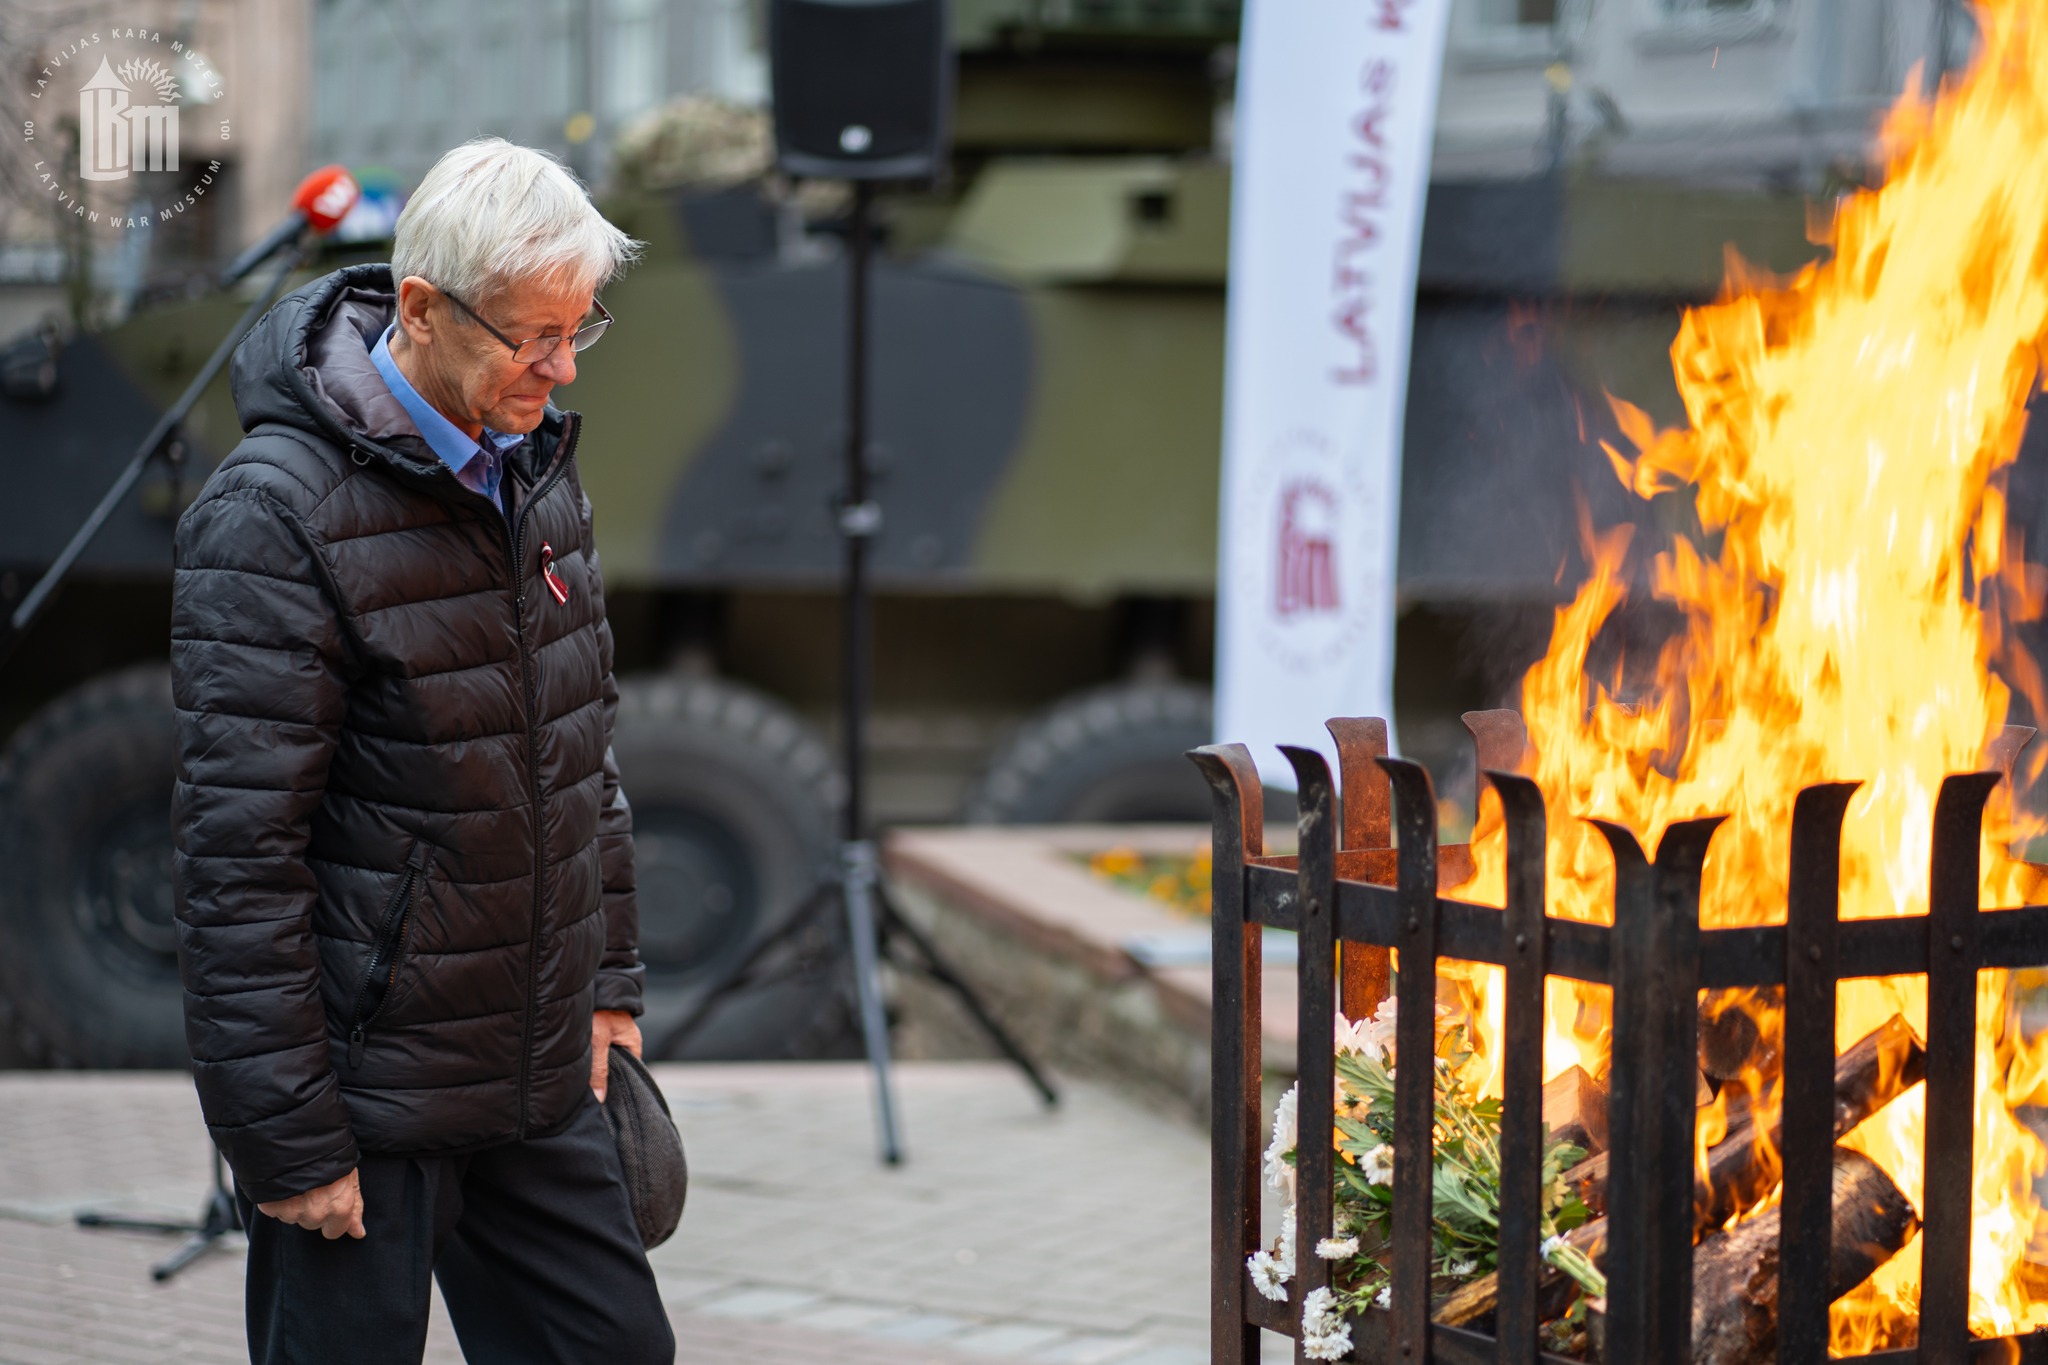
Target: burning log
1885,1064
1575,1109
1735,1273
1879,1068
1740,1030
1743,1166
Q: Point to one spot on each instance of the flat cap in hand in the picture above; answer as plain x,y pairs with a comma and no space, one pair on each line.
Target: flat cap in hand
650,1148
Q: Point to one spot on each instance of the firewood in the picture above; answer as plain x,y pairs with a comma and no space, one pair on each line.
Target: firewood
1733,1040
1882,1066
1575,1109
1735,1273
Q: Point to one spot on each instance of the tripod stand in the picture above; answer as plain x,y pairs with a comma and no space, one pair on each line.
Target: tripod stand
216,1220
875,927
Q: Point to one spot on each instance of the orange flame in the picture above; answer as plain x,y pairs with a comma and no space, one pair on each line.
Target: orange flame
1846,430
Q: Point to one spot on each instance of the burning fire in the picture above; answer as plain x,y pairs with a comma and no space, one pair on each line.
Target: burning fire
1847,432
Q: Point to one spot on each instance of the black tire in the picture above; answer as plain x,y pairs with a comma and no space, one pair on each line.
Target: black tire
734,808
88,948
1112,754
733,802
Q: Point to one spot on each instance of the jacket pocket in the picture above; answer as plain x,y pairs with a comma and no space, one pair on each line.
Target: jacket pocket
387,950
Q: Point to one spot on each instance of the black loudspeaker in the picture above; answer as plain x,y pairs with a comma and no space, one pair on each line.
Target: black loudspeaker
863,89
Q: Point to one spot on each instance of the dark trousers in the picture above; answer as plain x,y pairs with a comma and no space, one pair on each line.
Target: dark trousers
533,1244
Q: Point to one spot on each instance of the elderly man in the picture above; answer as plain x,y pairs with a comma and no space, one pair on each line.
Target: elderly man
404,865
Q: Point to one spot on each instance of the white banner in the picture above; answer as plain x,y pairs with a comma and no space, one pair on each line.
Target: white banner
1336,109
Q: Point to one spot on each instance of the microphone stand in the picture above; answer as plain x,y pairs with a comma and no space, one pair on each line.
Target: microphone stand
219,1216
164,439
874,925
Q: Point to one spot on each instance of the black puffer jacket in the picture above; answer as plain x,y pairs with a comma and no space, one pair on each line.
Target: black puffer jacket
404,865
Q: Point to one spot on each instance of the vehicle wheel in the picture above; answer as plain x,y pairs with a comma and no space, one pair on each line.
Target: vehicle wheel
734,802
1115,753
88,938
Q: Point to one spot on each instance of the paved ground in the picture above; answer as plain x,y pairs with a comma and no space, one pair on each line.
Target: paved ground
1010,1235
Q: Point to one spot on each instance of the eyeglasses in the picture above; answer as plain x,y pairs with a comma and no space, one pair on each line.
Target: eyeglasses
535,349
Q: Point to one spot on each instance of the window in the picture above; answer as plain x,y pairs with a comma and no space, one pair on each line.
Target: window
1518,13
559,52
333,77
1693,25
431,86
500,73
1713,7
1513,32
633,51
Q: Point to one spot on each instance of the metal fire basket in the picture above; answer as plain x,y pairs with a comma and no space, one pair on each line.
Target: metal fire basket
1353,884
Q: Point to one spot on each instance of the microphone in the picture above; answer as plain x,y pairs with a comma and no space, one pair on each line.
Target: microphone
322,200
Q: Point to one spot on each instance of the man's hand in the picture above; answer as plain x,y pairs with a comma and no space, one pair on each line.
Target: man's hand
330,1210
608,1027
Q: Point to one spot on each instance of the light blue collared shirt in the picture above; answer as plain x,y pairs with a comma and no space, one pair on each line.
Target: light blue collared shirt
479,466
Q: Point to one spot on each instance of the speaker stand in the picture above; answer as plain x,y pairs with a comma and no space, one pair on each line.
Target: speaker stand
874,927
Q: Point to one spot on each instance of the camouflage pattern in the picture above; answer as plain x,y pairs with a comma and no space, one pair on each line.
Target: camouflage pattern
1048,379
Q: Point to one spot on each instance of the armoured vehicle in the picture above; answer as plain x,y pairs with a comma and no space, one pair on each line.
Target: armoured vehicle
1048,373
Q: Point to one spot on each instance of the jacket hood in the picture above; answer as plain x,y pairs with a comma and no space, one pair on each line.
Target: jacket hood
306,364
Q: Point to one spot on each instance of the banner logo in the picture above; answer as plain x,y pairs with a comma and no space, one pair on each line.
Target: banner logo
1307,575
1316,579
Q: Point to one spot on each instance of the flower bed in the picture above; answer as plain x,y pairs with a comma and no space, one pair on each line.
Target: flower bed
1178,880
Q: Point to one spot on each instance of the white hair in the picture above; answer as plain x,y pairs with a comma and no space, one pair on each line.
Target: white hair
491,213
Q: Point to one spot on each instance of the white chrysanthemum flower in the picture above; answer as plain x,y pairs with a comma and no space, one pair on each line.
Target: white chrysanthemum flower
1286,1251
1269,1276
1337,1248
1378,1165
1460,1268
1385,1298
1378,1032
1334,1344
1279,1174
1324,1333
1551,1246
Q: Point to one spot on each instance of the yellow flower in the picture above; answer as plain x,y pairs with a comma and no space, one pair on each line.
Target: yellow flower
1116,862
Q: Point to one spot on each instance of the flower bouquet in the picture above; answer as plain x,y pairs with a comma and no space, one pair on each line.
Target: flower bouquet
1465,1214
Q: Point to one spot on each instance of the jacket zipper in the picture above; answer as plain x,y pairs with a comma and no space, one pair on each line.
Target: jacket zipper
565,451
386,952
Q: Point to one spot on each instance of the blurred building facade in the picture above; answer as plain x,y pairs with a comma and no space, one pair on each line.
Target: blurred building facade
1762,94
1745,94
395,85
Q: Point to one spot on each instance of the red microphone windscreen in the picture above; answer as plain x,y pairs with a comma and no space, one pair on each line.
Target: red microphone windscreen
326,196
